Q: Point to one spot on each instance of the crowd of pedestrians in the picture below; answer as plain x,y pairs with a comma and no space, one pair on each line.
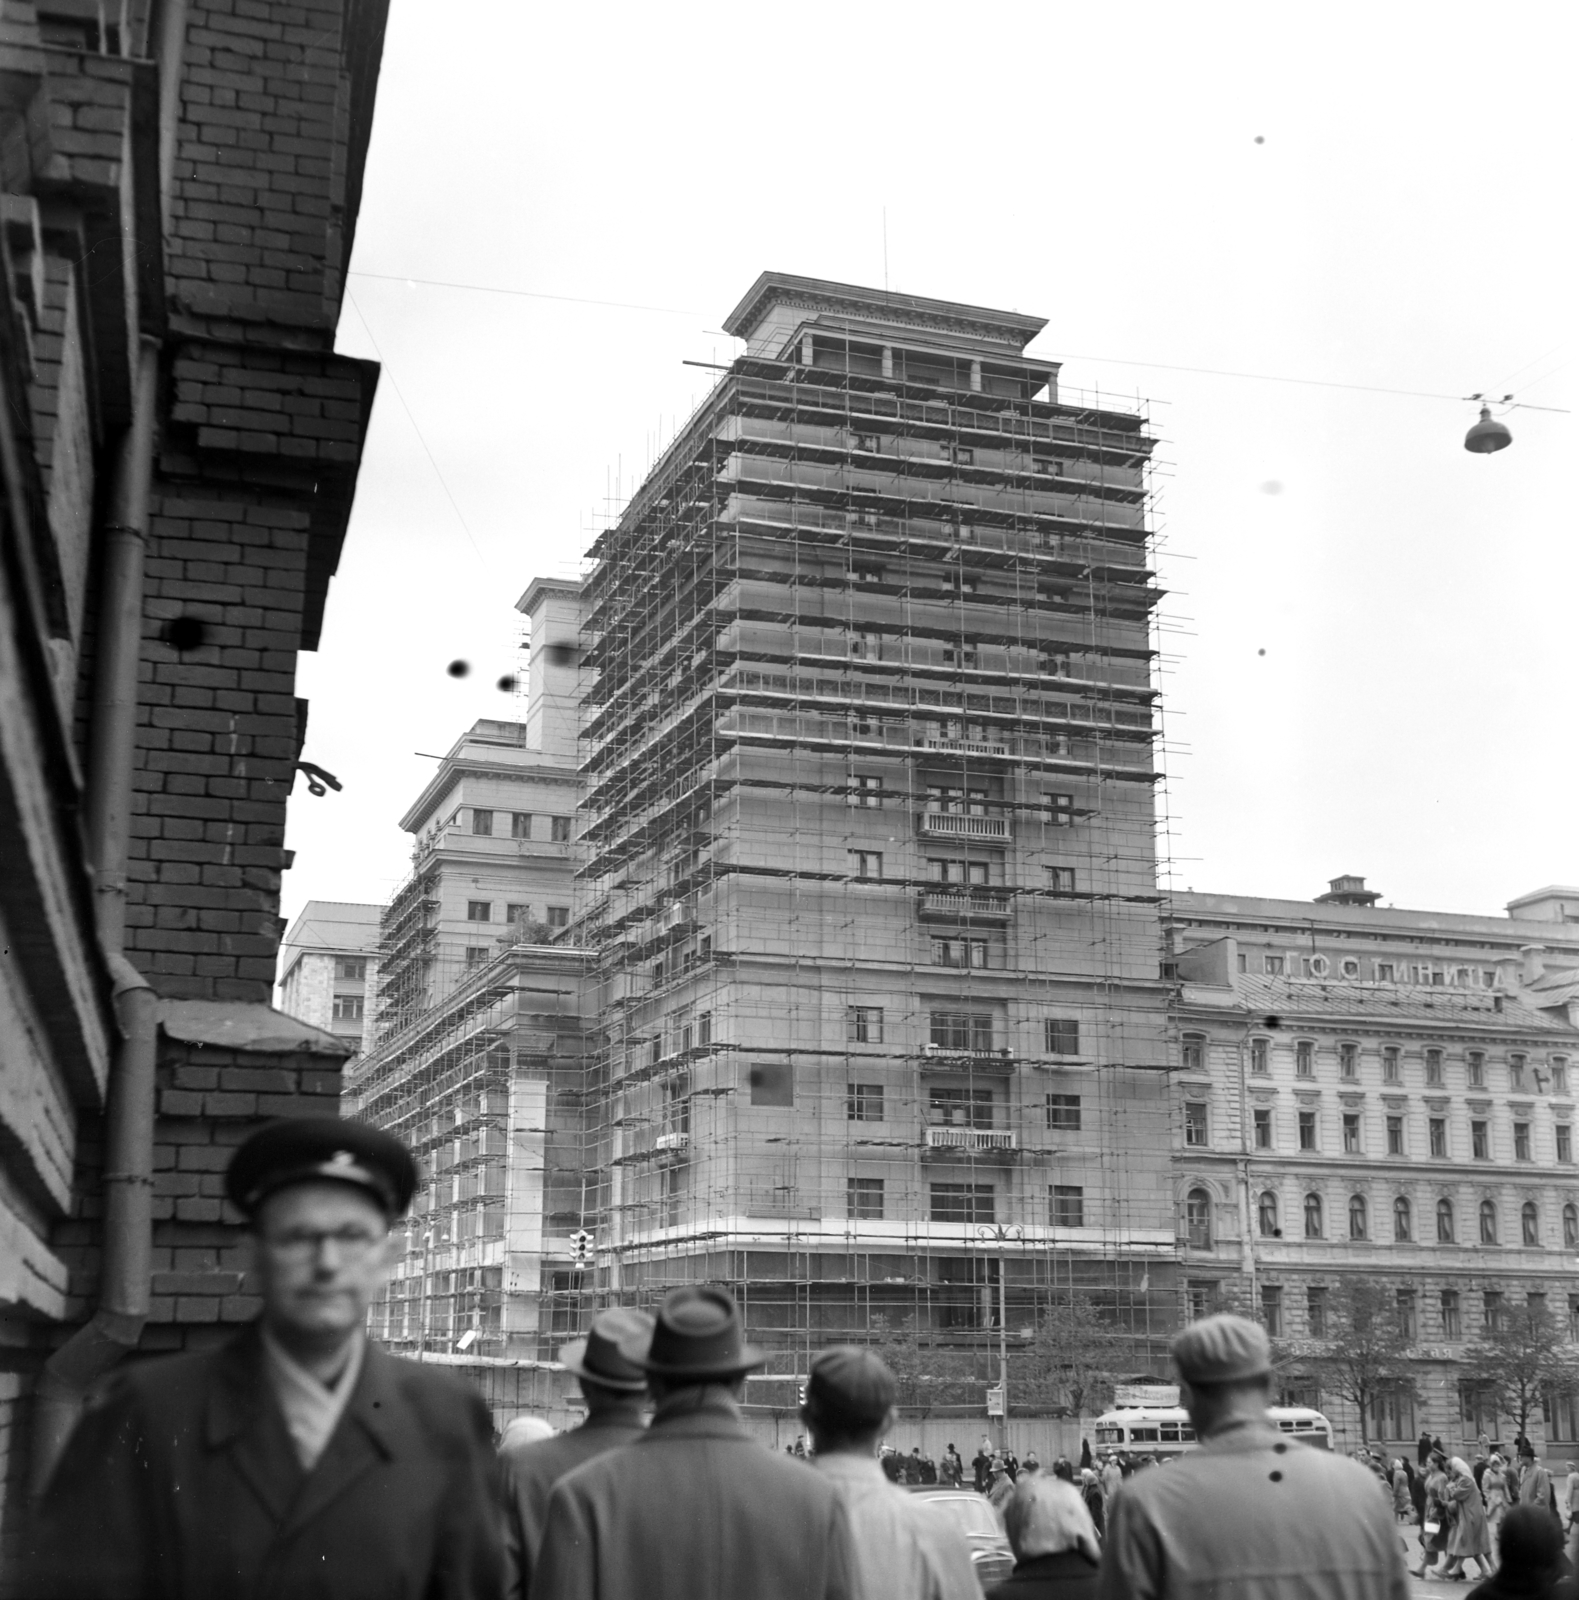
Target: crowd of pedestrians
302,1461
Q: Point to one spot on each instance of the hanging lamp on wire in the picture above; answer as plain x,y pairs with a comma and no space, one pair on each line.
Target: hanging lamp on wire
1490,434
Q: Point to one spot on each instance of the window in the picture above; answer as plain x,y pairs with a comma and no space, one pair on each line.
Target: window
863,1024
520,824
1272,966
1357,1217
864,1199
558,916
772,1083
1194,1123
516,914
953,869
866,790
1488,1221
1452,1327
1314,966
1348,1060
1266,1215
1198,1219
1068,1206
1313,1227
863,1102
866,863
1258,1056
1393,1413
1573,1317
1530,1222
1433,1069
1061,879
1559,1075
963,1202
1060,810
1305,1059
1395,1136
1350,967
559,829
1193,1053
1386,972
1351,1133
482,821
1390,1063
479,910
960,1030
1063,1036
959,656
1560,1410
476,955
1403,1230
348,1008
353,967
1200,1298
1316,1310
1571,1226
1437,1129
959,1108
1063,1111
959,952
1444,1221
704,1027
1272,1309
1491,1310
1408,1318
1480,1140
1263,1127
1515,1072
1475,1067
1307,1130
1521,1141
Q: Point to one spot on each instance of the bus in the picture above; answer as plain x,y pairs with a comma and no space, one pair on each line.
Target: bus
1166,1430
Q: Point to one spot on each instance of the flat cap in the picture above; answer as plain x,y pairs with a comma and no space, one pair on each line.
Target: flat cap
322,1150
1222,1349
849,1386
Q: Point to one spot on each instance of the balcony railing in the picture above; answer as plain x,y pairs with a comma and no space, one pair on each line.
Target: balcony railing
972,905
672,1141
960,825
971,1139
968,747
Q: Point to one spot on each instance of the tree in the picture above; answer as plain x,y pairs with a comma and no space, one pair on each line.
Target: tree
1073,1356
925,1375
1520,1356
1365,1353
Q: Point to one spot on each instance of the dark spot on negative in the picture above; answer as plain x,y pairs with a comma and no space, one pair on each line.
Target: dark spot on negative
1281,1447
458,669
1276,1477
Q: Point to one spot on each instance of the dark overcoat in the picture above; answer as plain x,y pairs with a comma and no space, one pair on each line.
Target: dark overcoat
182,1484
530,1473
695,1509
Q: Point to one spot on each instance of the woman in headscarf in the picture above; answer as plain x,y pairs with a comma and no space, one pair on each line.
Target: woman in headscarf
1495,1492
1091,1493
1056,1554
1403,1506
1469,1539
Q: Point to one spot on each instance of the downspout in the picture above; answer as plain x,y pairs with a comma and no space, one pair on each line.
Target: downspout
127,1240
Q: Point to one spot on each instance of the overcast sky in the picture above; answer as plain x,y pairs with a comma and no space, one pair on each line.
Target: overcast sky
1372,631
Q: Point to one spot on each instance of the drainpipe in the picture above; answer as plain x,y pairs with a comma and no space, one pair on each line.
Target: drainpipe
127,1243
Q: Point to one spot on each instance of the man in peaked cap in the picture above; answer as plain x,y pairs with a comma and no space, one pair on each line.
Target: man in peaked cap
1250,1513
299,1459
615,1389
696,1508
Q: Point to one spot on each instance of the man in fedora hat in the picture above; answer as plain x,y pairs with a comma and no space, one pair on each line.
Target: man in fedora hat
615,1389
1251,1513
299,1460
696,1508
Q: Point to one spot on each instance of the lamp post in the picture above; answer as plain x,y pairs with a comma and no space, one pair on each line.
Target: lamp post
1002,1234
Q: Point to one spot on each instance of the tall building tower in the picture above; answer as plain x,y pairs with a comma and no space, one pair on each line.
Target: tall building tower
867,847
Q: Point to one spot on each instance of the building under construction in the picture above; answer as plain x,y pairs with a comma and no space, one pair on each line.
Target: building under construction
866,855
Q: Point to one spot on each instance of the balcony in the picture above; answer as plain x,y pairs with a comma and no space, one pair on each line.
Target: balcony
673,1143
946,1058
966,747
959,825
975,1141
964,905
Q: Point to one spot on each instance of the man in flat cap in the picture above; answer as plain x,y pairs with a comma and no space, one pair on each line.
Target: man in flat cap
1250,1513
696,1508
903,1549
615,1389
298,1460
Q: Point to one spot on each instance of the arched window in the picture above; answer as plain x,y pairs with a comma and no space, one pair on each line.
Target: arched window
1444,1222
1198,1219
1357,1216
1571,1226
1530,1220
1488,1221
1402,1230
1266,1211
1313,1216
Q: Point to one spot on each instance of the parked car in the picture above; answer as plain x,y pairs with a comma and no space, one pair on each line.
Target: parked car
975,1518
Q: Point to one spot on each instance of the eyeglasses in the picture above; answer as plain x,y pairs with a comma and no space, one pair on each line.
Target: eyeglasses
302,1244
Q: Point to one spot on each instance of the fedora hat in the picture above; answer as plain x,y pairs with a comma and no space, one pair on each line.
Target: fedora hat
697,1336
600,1357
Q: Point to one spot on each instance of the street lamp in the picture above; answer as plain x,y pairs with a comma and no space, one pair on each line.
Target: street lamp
1002,1234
